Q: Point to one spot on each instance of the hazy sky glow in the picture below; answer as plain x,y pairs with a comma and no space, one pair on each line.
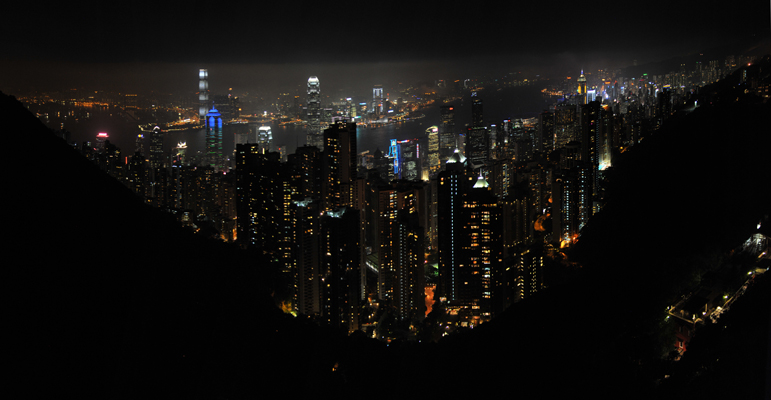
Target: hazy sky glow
151,44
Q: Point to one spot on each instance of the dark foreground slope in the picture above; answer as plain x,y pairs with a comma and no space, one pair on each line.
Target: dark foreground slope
109,298
677,204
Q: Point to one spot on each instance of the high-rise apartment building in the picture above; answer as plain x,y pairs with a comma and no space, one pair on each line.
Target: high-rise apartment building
565,121
340,268
261,185
452,184
545,140
307,275
339,165
306,170
529,268
401,225
479,252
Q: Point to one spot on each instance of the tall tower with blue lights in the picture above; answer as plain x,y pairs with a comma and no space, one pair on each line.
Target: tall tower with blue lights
214,139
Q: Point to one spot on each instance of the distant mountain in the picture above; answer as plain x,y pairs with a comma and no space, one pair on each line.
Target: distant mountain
758,46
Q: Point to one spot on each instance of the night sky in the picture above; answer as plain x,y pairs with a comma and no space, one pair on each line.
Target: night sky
143,45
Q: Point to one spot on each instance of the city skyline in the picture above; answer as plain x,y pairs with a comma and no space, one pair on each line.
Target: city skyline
550,181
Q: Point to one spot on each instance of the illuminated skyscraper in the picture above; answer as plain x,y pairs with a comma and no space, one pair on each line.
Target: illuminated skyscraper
470,241
100,139
181,156
340,268
203,92
447,134
406,159
214,139
477,115
582,88
545,140
307,296
136,167
401,219
591,95
306,164
564,209
139,147
265,138
156,148
478,144
479,251
529,265
596,124
565,121
260,200
432,133
377,99
314,136
452,184
339,164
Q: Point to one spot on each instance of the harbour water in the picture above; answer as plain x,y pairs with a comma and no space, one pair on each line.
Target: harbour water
508,103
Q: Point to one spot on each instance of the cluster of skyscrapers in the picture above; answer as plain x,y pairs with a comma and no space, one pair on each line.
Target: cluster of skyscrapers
472,214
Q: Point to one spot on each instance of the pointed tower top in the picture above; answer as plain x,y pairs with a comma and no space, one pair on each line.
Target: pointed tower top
481,182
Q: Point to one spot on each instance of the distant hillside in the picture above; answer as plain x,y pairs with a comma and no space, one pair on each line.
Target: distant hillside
758,46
